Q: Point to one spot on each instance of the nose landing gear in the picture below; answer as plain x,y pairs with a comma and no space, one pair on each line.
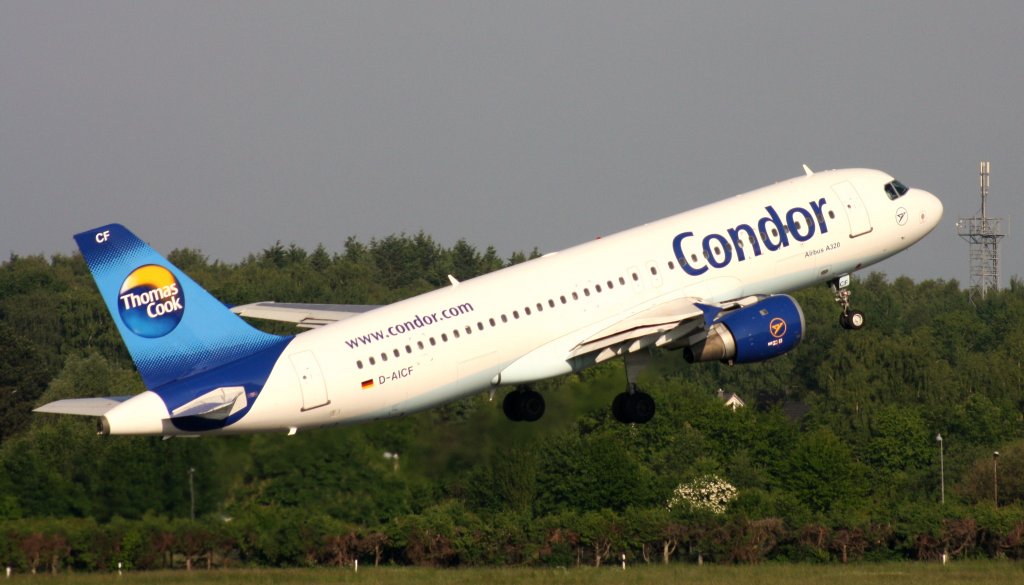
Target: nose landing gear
849,318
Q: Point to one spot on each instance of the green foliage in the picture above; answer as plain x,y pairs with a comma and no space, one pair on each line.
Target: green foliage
857,477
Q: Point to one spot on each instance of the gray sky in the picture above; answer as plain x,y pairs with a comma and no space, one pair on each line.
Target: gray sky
227,126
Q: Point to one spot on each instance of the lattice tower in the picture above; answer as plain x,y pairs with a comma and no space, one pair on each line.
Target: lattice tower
982,233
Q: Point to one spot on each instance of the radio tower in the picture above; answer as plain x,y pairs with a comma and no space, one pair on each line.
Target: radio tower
983,234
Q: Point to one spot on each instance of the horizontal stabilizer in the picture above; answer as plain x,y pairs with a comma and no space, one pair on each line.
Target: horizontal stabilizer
82,406
303,315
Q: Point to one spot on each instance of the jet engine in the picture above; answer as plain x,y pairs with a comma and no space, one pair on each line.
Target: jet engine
766,329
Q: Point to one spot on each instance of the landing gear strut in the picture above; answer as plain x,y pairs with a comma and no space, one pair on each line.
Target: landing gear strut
849,318
523,404
633,405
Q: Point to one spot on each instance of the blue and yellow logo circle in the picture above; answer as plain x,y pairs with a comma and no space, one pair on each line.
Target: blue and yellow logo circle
151,302
777,327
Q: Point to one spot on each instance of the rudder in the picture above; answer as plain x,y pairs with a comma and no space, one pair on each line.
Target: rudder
172,326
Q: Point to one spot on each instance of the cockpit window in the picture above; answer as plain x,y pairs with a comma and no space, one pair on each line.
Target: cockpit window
895,190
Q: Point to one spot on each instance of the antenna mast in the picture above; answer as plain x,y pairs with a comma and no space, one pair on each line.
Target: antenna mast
983,234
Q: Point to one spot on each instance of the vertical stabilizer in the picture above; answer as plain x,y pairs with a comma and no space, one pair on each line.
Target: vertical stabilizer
173,328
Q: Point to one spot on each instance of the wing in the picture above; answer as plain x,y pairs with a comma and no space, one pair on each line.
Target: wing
303,315
672,324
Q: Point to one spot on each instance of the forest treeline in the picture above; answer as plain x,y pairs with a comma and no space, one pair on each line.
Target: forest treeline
834,457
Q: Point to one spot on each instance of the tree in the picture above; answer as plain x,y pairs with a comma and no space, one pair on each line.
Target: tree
822,472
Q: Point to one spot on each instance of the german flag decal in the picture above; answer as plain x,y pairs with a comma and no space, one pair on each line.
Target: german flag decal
367,384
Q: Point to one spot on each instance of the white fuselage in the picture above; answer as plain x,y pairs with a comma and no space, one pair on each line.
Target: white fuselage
521,324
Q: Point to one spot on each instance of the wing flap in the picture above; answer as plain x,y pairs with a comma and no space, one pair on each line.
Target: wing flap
666,324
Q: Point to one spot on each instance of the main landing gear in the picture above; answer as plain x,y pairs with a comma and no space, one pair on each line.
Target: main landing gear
849,318
633,405
523,404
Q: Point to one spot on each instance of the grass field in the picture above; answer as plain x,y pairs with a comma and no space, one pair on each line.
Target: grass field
973,572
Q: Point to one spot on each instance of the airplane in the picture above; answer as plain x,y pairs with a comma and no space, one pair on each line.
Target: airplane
710,282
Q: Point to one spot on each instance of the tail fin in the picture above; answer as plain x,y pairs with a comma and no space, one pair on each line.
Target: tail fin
173,328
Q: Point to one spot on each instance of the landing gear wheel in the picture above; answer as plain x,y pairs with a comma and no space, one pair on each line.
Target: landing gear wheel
523,404
619,409
849,318
636,407
641,407
852,319
531,406
510,406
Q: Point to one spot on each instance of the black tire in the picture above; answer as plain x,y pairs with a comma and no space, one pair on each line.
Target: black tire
637,407
531,406
641,407
619,408
855,320
510,406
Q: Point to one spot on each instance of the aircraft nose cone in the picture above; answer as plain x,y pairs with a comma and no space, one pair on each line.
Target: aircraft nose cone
936,208
931,209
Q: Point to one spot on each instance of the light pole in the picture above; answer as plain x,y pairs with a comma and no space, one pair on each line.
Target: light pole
942,470
192,492
995,477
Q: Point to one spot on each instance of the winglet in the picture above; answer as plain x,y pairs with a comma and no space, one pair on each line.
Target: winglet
808,171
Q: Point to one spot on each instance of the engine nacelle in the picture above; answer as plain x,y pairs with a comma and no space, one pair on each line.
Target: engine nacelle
764,330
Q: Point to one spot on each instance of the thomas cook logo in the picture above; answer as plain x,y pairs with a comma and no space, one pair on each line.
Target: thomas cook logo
151,301
777,327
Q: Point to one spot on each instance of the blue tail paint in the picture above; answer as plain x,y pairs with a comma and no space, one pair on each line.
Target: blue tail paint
177,333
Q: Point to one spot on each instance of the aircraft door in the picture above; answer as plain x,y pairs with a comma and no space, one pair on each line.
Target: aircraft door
856,213
311,380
